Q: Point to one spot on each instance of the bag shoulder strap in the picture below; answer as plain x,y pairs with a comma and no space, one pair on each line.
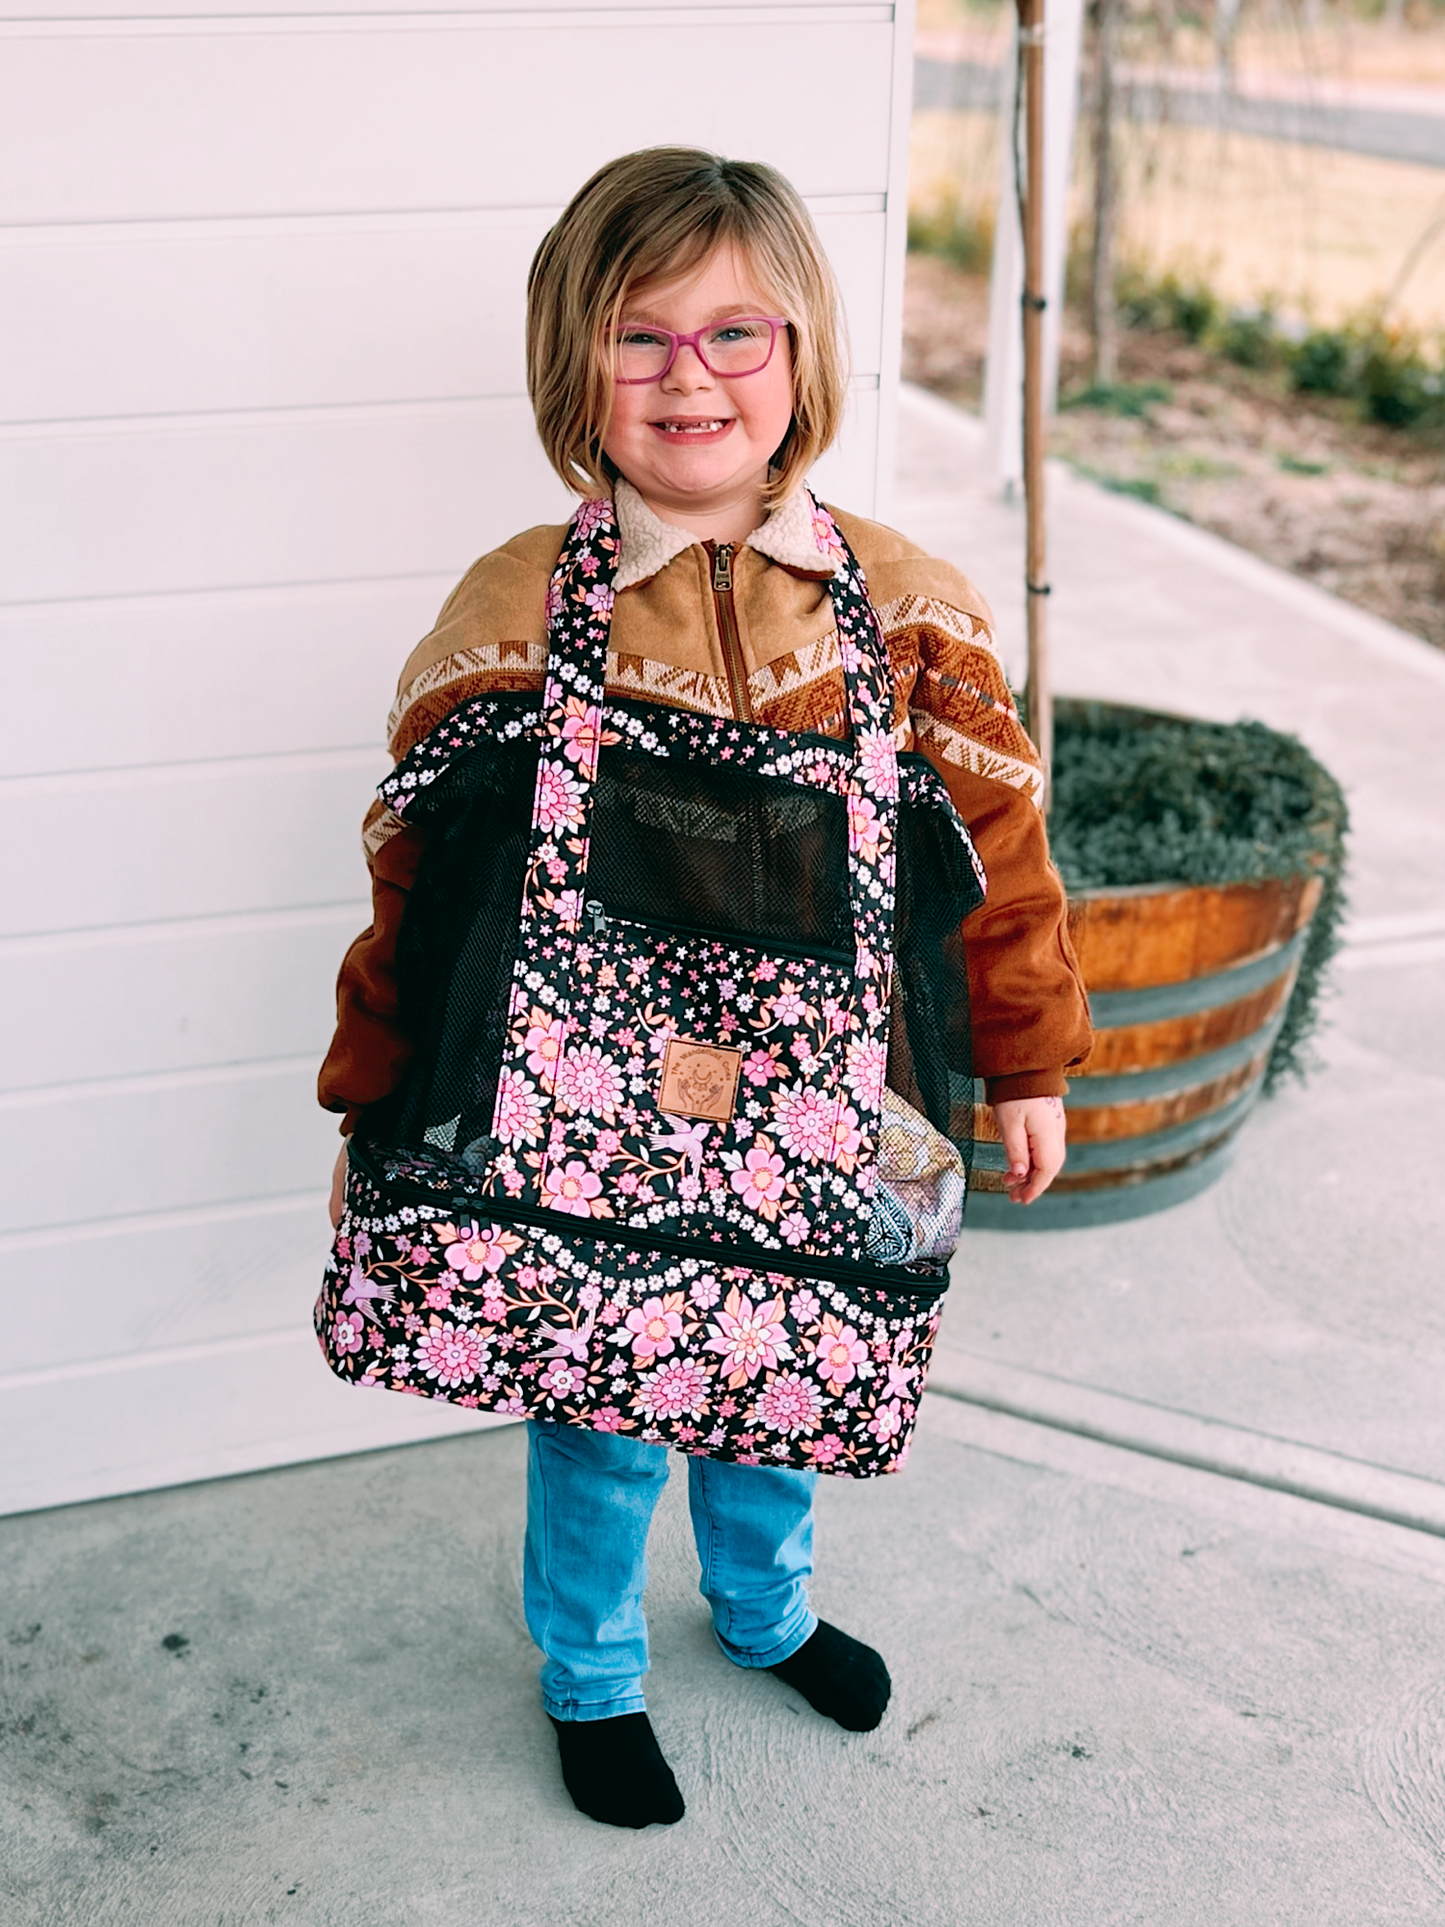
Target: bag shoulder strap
573,732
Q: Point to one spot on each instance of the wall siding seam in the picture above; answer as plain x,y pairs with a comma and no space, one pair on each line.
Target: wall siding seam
66,428
562,20
166,1355
56,608
153,1083
179,1217
191,227
181,930
151,776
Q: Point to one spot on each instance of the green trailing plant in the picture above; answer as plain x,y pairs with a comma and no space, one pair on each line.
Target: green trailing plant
1139,797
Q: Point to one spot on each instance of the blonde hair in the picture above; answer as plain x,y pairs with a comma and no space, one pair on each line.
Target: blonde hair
653,216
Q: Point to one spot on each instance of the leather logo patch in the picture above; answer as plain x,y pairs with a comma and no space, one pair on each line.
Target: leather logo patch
699,1080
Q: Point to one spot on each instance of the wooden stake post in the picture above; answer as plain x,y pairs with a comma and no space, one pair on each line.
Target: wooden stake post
1031,199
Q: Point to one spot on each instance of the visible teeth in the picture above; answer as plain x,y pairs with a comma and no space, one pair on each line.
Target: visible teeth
688,428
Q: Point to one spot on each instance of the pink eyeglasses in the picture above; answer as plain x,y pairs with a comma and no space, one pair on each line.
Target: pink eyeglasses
741,345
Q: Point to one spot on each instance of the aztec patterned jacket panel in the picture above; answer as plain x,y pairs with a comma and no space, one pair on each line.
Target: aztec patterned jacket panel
767,651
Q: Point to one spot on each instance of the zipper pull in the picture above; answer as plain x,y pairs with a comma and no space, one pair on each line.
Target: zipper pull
722,568
598,915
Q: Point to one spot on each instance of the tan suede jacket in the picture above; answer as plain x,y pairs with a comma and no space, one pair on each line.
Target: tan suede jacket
765,650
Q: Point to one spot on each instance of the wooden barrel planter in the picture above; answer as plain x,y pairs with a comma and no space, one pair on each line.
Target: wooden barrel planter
1188,986
1189,983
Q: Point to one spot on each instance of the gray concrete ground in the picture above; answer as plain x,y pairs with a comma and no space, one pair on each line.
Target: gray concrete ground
1397,125
1126,1690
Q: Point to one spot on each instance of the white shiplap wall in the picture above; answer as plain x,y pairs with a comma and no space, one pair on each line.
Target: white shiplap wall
261,402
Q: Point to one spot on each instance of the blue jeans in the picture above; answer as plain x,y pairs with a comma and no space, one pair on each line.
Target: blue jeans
590,1500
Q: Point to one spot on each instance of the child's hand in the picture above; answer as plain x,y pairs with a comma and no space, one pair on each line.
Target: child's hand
1033,1132
338,1189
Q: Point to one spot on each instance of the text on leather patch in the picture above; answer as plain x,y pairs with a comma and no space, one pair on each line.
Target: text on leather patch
699,1080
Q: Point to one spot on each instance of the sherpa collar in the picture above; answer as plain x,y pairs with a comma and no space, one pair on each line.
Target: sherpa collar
649,544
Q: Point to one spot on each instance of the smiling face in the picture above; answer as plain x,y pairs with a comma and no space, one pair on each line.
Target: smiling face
695,445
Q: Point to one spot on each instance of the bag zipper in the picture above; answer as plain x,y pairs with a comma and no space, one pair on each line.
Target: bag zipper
727,622
925,1283
600,917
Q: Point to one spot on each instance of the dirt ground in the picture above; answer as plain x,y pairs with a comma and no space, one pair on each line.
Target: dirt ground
1297,479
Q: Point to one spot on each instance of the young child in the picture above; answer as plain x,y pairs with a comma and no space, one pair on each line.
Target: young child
684,356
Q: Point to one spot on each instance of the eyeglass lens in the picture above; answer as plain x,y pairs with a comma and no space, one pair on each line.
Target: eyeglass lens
737,347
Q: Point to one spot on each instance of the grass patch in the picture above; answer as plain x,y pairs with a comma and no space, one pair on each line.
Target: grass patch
1141,488
1144,798
1197,468
1292,465
1130,398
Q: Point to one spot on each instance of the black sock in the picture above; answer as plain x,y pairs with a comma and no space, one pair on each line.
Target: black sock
839,1676
615,1771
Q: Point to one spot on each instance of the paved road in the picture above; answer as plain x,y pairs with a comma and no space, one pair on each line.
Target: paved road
1388,133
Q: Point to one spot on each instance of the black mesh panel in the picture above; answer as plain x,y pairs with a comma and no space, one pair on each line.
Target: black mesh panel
930,1044
707,848
458,942
675,843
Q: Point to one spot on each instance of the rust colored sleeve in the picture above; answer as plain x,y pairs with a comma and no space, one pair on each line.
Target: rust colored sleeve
1027,1001
370,1051
1029,1010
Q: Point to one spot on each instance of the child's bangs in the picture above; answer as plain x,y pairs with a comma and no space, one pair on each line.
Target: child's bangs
676,258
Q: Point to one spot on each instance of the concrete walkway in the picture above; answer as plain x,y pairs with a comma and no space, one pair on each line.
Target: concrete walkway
1126,1689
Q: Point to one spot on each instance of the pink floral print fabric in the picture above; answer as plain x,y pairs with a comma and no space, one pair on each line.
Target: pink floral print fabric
591,1010
538,1289
726,1360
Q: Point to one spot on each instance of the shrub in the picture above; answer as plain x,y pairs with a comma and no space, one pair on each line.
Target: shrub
1145,798
1193,309
1323,363
1396,384
1248,337
1188,307
962,235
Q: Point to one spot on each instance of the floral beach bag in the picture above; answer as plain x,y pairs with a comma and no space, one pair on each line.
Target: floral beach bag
672,981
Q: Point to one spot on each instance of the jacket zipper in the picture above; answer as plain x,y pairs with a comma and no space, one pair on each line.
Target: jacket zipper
929,1282
727,622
